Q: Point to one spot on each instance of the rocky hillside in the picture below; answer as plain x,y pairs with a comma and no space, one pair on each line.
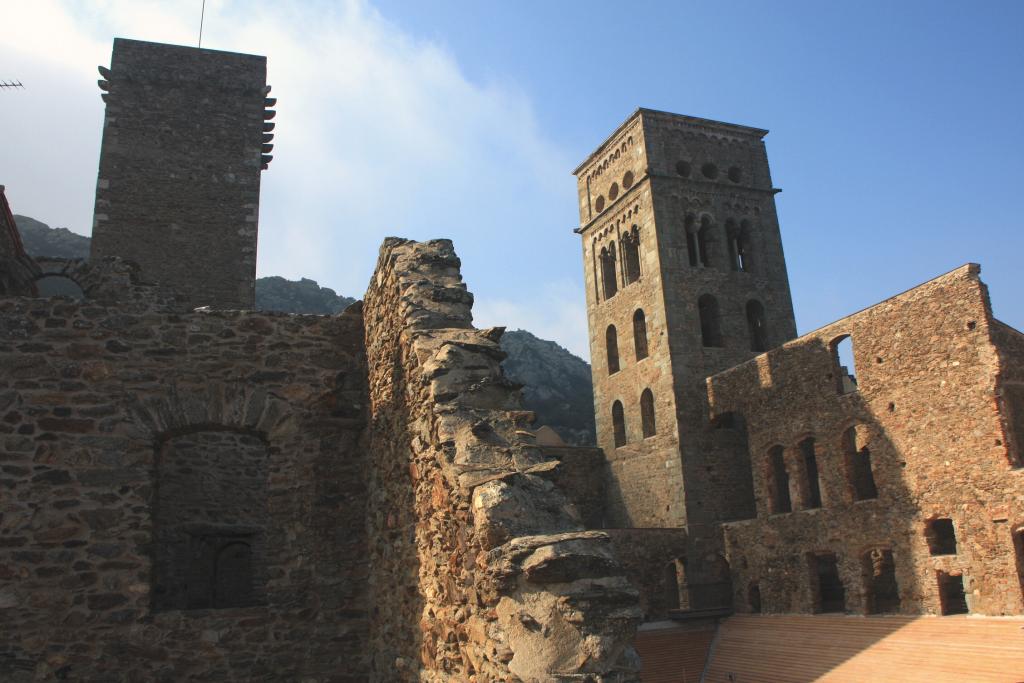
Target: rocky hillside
305,296
42,240
556,383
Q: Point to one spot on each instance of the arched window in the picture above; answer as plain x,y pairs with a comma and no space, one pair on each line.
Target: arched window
618,424
704,239
611,340
812,486
881,593
647,413
756,326
608,280
731,237
778,481
710,327
843,367
640,334
858,467
631,254
59,285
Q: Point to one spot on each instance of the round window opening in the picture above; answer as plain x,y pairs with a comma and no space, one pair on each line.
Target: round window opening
683,168
613,191
627,180
710,171
599,204
735,174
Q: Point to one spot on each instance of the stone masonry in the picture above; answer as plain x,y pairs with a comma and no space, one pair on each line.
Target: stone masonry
929,418
179,180
482,570
97,398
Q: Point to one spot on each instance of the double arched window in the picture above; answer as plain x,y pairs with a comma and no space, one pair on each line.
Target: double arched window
631,254
608,279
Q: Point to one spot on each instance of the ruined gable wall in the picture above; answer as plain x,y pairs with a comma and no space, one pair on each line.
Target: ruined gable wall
926,409
95,398
481,569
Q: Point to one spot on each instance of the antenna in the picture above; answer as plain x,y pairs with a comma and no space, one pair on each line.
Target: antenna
202,15
11,85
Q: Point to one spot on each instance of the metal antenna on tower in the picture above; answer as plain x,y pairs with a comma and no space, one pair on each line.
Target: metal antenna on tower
202,14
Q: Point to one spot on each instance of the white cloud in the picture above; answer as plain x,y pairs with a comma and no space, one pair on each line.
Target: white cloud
378,133
558,314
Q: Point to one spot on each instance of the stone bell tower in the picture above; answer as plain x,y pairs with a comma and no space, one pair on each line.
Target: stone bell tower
185,138
685,277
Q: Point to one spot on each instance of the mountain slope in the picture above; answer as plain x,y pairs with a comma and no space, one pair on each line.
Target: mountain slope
556,385
42,240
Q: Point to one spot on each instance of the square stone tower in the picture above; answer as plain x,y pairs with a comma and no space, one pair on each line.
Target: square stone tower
185,137
685,277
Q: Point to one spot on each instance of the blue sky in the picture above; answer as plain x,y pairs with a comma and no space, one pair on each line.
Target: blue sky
895,131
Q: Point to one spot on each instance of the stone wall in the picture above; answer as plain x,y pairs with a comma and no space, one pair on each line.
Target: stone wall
17,270
131,432
482,570
179,175
923,418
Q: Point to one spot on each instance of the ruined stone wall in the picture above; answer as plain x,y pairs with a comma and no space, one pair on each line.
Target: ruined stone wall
481,569
131,432
17,270
581,477
179,175
925,409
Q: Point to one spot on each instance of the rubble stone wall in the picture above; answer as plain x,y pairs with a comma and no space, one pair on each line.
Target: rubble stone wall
481,568
178,189
98,399
926,410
